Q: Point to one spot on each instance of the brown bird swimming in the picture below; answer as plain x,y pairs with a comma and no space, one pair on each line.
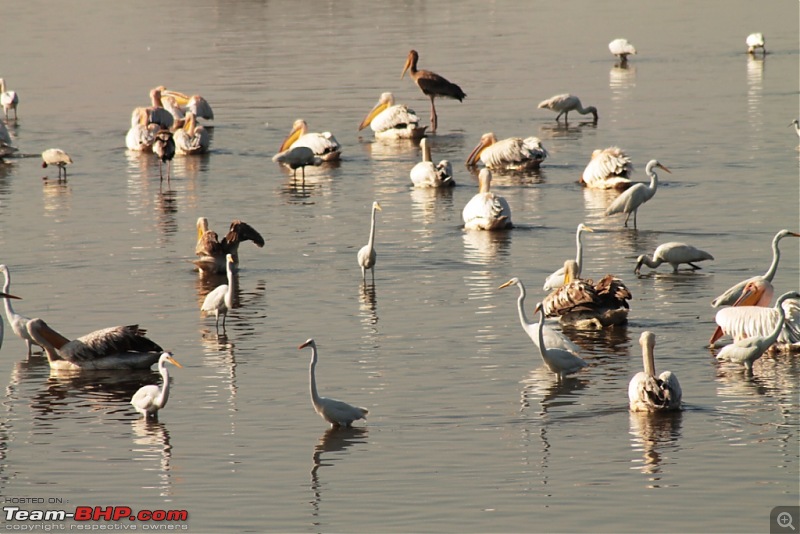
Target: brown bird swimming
431,84
212,252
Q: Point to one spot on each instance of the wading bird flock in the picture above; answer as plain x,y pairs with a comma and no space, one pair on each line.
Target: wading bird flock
169,126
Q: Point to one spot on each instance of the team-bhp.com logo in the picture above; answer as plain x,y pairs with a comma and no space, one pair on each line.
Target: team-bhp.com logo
96,514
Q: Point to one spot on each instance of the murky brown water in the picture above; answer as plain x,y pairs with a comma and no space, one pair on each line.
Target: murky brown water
467,432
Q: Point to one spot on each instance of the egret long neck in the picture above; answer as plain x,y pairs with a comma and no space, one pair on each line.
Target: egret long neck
542,348
523,318
579,245
7,302
769,275
773,337
371,241
312,378
163,395
653,181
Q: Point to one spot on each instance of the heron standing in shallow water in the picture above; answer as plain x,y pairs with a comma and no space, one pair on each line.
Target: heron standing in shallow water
432,85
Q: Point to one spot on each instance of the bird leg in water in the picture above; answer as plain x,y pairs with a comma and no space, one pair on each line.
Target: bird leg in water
434,118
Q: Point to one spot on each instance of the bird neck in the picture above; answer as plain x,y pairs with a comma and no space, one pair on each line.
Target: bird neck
647,260
579,252
648,360
769,275
7,302
163,395
773,337
523,318
48,339
371,241
542,348
312,376
426,152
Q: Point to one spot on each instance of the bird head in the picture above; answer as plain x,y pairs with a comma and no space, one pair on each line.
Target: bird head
510,282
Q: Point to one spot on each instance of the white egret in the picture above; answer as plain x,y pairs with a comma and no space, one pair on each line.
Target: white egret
336,412
748,350
556,279
565,103
212,252
57,157
755,40
19,323
486,211
149,399
432,85
512,153
324,145
8,99
192,138
164,148
117,347
220,299
622,49
552,337
392,121
367,255
426,174
629,200
673,253
648,392
609,168
559,361
733,293
5,296
298,157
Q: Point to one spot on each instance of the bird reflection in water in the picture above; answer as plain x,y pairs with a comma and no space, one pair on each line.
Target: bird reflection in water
166,211
301,188
621,81
541,386
152,445
335,440
57,199
654,436
368,305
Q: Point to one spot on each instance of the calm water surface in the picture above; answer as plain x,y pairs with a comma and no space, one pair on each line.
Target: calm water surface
467,432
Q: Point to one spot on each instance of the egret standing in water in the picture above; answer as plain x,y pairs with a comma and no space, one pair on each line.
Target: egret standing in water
561,362
432,85
648,392
4,296
336,412
367,255
220,300
556,280
149,399
19,323
629,201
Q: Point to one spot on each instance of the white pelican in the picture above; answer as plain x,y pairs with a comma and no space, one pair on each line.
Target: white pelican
392,121
298,157
512,153
755,40
164,148
192,138
117,347
336,412
586,305
565,103
748,350
629,201
324,145
556,279
486,211
732,294
57,157
195,104
5,296
673,253
141,135
648,393
220,300
212,252
609,168
149,399
622,49
367,255
552,338
431,84
156,112
8,99
426,174
19,323
178,115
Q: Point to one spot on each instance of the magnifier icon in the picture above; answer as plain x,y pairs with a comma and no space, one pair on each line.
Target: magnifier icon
784,520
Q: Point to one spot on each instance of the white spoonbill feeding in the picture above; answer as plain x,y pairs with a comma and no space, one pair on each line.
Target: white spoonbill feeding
212,252
486,211
629,201
622,49
367,255
336,412
19,323
609,168
556,279
324,145
149,399
8,99
220,300
733,293
392,121
425,174
431,85
748,350
648,392
673,253
565,103
57,157
512,153
755,40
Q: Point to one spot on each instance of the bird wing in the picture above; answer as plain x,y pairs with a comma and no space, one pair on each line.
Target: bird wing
238,232
394,117
742,322
320,143
612,292
624,202
575,296
504,152
606,164
424,174
209,245
200,107
107,342
486,211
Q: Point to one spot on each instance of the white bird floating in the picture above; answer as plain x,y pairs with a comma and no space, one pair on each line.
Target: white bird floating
336,412
142,135
156,113
8,99
565,103
648,393
19,323
425,174
559,361
57,157
392,121
512,153
552,337
367,255
756,40
212,252
324,145
220,300
609,168
629,201
556,279
748,350
195,104
149,399
298,157
673,253
622,49
486,211
5,296
732,294
191,138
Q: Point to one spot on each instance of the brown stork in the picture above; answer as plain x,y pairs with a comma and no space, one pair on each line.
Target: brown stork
431,84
